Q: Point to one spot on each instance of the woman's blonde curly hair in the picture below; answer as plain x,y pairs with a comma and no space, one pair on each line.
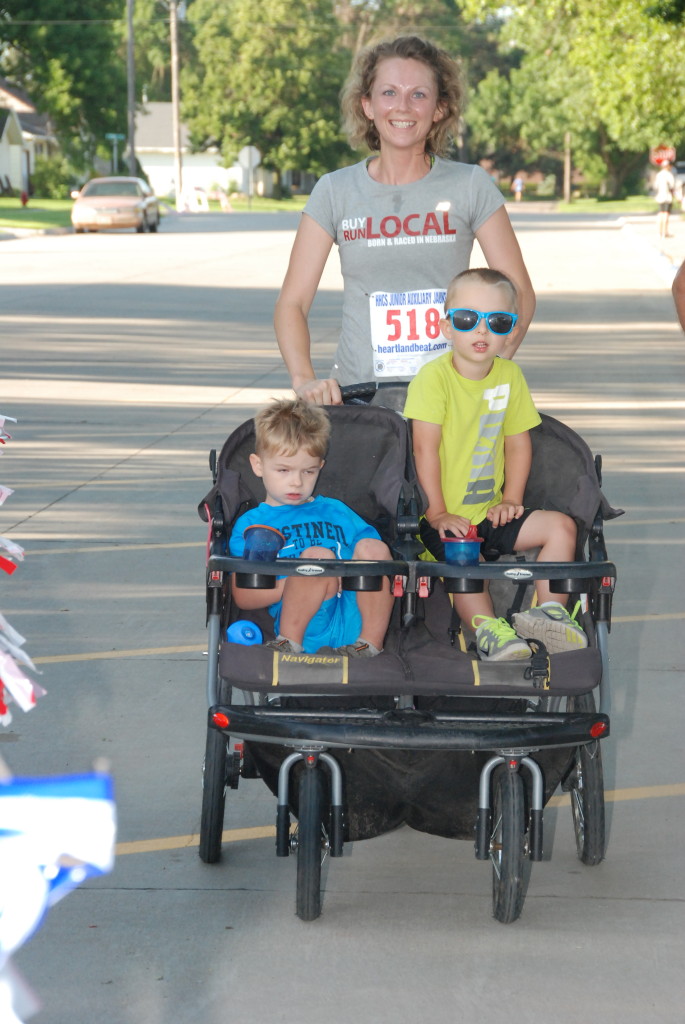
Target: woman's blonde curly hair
362,76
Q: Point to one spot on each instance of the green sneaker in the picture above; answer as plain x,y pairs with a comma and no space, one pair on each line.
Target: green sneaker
497,641
552,625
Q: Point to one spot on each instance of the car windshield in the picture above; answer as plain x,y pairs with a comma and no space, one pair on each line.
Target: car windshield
111,188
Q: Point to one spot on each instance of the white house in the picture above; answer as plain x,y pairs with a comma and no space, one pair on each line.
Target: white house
154,145
24,135
11,151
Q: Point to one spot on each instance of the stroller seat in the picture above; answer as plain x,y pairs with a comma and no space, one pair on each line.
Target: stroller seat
369,466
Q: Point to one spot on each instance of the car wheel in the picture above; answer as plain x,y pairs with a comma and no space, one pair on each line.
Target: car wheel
154,226
142,227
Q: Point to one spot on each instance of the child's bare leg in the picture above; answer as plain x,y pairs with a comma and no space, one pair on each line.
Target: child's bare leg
555,534
375,606
468,605
304,595
550,623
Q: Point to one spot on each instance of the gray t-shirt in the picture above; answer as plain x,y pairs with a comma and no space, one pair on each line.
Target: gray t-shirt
399,248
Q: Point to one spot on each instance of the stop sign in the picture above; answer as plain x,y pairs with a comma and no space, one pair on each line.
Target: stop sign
249,157
659,155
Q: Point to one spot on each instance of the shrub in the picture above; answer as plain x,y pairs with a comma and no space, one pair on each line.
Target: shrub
53,177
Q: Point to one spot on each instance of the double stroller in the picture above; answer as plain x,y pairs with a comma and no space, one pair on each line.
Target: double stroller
425,734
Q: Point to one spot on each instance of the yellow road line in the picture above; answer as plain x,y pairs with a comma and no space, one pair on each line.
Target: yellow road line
200,648
240,835
665,617
114,548
107,655
635,793
234,835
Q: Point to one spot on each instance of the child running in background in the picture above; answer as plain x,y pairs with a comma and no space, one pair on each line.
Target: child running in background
471,414
310,612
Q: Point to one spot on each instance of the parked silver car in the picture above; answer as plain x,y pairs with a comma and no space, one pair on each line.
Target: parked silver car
115,203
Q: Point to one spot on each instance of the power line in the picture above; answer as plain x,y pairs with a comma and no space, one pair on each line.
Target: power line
73,21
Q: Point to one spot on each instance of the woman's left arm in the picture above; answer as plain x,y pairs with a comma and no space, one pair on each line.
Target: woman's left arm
502,251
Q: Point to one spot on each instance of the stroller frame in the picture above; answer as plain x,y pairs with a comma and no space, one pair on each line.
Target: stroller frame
310,779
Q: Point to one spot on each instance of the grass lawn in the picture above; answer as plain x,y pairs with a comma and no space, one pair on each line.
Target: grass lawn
263,205
633,204
37,214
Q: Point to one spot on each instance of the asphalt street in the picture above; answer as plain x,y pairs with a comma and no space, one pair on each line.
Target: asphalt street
125,358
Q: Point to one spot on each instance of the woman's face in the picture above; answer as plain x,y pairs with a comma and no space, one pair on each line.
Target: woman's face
403,102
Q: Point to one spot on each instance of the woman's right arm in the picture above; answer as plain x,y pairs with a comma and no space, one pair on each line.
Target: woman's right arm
307,260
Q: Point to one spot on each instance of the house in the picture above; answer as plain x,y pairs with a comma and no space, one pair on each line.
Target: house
11,151
24,135
154,143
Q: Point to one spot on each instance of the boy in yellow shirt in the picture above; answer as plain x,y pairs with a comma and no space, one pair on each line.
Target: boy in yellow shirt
471,414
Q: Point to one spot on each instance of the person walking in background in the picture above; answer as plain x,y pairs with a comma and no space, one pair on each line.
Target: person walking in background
404,220
517,188
664,185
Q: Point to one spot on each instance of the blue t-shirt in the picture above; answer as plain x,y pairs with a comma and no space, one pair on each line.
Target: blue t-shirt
322,522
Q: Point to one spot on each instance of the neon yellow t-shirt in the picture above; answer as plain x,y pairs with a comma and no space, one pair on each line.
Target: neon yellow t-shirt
475,416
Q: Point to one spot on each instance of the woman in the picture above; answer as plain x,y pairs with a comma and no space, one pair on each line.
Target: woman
404,221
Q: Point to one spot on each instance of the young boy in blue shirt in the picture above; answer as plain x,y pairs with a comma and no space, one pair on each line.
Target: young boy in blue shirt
471,414
310,612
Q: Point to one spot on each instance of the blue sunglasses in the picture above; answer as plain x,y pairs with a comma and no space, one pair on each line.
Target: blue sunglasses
468,319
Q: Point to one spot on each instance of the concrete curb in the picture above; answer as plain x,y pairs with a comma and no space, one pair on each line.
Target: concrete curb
7,234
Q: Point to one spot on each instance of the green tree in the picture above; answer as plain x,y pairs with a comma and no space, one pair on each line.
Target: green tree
64,54
610,73
268,77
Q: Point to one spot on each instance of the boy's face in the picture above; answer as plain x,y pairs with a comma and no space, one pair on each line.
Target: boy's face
288,479
473,352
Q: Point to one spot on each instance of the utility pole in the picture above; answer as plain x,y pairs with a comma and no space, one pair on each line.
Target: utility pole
567,167
175,105
131,76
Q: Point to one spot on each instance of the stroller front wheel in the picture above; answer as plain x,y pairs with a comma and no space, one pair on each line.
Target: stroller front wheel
214,784
585,783
508,846
311,843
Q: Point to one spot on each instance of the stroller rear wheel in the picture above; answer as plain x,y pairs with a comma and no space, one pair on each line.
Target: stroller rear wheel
311,843
214,784
508,846
585,783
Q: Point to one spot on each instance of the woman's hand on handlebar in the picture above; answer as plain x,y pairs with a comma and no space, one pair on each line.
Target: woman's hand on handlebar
319,392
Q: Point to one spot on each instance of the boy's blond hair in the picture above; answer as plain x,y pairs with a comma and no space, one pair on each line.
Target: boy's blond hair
487,276
289,425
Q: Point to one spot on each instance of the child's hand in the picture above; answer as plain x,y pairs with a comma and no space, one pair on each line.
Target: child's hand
444,521
500,515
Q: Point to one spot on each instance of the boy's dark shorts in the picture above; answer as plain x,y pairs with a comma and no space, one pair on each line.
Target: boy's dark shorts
497,540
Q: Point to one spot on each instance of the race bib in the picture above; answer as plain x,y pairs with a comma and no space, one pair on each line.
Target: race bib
405,331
